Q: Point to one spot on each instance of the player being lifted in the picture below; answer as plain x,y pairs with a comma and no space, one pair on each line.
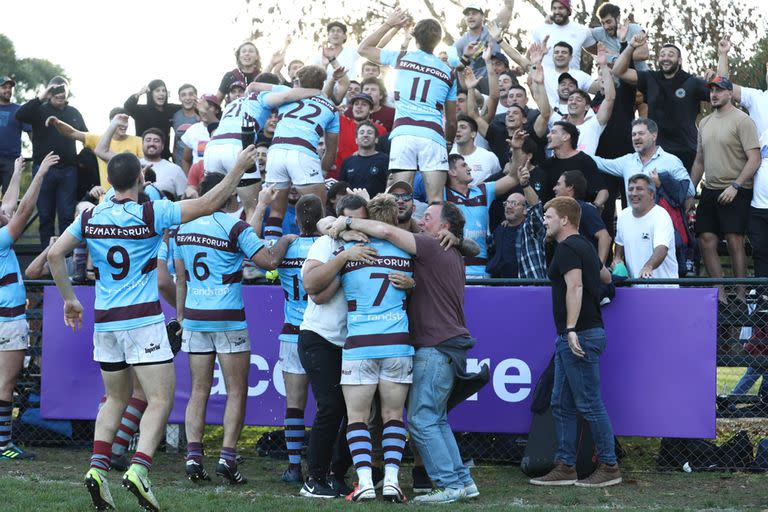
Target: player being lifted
293,156
425,89
251,111
123,239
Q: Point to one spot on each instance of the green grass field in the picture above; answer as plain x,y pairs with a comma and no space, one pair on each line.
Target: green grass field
54,482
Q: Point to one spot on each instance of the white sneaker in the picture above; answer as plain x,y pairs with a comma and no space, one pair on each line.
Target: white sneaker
440,495
471,491
392,492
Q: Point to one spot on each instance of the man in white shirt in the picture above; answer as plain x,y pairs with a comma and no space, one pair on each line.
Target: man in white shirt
482,163
196,137
590,128
334,50
321,337
170,178
754,100
758,213
645,236
563,29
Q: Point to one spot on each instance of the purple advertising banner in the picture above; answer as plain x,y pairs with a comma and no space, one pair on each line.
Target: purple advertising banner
658,372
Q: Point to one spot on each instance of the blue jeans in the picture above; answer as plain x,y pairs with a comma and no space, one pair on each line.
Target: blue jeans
57,197
577,389
748,380
433,378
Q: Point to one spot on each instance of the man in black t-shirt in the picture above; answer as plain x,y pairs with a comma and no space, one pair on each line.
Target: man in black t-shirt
673,97
563,139
576,274
367,168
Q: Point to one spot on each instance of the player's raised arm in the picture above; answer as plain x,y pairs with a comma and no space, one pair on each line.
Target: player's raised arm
368,48
191,209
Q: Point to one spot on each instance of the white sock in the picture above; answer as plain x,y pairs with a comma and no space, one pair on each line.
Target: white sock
390,474
365,477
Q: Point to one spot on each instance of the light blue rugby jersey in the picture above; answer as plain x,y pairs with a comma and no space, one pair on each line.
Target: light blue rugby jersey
423,83
475,207
230,126
13,296
213,248
123,240
377,322
302,123
293,287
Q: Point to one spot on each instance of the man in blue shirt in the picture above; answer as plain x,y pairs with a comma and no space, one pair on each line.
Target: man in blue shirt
293,155
14,331
474,203
309,210
10,131
123,239
425,102
210,252
377,354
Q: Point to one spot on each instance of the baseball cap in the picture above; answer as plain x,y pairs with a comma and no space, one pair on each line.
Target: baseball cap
4,80
362,96
473,6
338,24
566,76
211,98
500,56
236,83
566,4
400,184
720,82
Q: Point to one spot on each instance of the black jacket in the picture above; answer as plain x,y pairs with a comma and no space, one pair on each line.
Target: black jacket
466,384
47,138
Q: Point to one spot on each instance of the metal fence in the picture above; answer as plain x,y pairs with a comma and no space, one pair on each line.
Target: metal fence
742,384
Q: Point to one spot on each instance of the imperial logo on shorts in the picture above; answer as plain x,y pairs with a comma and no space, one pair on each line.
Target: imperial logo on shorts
153,347
239,340
3,341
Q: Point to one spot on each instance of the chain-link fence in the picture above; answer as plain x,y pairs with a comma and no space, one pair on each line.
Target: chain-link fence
742,387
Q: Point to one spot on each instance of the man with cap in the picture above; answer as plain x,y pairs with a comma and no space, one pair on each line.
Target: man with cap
236,90
563,29
673,96
335,51
727,156
10,131
360,107
197,136
477,31
58,195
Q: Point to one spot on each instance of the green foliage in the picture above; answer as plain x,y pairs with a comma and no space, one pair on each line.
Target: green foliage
30,73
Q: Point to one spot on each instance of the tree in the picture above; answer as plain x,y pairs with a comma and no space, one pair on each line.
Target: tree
30,73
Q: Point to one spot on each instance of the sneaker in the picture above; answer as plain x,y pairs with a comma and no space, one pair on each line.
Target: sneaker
367,493
11,451
421,482
230,473
292,476
99,490
314,488
471,491
562,474
440,495
604,476
141,488
393,493
339,484
119,462
196,472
